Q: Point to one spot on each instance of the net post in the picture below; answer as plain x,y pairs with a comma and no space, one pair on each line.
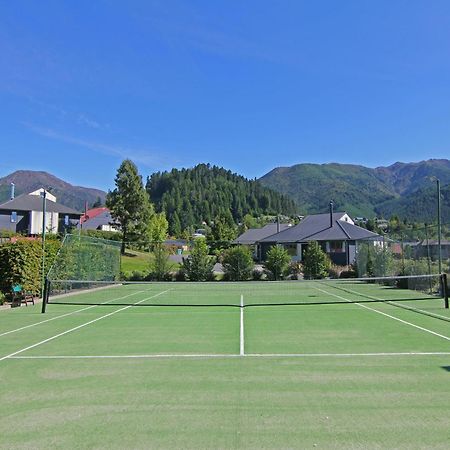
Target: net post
445,289
45,295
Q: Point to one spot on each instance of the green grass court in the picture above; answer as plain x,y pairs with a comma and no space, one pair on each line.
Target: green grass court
301,365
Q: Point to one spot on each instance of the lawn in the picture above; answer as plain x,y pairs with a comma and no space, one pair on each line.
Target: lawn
218,375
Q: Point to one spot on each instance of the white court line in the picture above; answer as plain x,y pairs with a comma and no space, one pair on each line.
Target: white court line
385,314
393,302
241,330
232,355
69,314
81,326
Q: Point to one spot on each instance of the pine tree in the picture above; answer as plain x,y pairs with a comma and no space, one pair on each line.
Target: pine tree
129,203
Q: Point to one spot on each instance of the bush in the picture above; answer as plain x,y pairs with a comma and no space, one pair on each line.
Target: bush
160,264
295,269
198,266
21,263
349,273
257,275
180,275
2,298
238,263
135,275
277,261
316,263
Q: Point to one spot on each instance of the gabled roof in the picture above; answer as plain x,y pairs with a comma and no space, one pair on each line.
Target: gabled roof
435,242
99,219
91,213
27,202
254,235
316,227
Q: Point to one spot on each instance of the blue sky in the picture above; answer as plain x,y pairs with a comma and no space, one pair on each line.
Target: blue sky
248,85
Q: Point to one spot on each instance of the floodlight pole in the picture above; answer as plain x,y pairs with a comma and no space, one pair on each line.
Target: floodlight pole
438,185
44,208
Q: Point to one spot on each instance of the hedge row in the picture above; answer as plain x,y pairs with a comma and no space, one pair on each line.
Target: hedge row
21,263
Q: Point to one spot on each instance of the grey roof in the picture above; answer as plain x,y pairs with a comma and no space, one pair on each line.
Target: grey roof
435,242
104,218
254,235
316,227
26,202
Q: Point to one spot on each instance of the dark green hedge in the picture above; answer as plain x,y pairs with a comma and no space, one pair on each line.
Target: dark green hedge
21,263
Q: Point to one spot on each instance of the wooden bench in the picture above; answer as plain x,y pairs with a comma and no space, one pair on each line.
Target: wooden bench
19,296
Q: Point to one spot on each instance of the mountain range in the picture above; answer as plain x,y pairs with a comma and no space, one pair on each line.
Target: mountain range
27,181
407,190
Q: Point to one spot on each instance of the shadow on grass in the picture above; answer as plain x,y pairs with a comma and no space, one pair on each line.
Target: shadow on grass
447,368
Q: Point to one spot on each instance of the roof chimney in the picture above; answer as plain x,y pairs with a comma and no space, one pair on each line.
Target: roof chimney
331,213
13,186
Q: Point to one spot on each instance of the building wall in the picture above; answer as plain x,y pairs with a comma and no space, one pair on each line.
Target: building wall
51,222
21,223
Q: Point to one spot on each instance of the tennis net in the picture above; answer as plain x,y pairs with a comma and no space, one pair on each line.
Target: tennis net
404,291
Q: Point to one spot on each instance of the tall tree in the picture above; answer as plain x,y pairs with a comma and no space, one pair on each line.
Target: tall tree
157,228
129,202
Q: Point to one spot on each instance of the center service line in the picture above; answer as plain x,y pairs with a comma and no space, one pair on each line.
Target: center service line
241,333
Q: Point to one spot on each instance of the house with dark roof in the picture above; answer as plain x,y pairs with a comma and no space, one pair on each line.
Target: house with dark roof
336,233
98,219
430,248
24,214
252,236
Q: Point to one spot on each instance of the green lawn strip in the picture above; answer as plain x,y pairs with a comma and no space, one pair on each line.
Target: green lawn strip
135,260
377,402
151,331
334,329
395,309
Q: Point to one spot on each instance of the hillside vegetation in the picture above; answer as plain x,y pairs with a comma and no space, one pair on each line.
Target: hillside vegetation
405,189
191,196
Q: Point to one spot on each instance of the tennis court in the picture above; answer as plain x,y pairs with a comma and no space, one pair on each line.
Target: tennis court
227,365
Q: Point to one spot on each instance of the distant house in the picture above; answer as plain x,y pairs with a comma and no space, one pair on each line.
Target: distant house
252,236
336,233
24,214
98,219
431,248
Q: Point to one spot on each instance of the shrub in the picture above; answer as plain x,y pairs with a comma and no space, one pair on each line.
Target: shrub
257,275
295,269
2,298
277,261
238,263
21,263
136,275
160,264
316,263
198,266
180,275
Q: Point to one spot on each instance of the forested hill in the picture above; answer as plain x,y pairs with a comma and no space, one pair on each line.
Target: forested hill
191,196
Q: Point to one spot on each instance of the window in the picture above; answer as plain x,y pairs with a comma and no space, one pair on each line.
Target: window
13,216
337,247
